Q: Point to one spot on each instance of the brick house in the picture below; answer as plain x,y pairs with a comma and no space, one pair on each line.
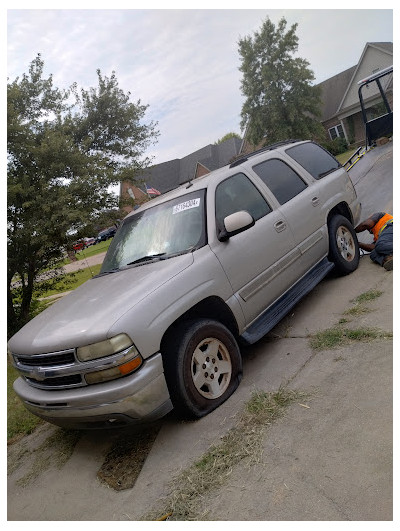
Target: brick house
341,117
341,110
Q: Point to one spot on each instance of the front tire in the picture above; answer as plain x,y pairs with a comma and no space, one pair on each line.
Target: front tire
202,365
343,245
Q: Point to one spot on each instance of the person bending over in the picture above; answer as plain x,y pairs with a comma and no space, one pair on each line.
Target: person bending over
380,225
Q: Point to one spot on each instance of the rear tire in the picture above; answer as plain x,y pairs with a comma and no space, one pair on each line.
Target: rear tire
343,245
202,365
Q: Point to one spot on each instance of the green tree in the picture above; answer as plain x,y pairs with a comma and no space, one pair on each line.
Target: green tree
280,102
65,148
227,137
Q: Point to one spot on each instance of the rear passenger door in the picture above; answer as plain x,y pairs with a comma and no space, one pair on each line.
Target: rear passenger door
259,262
300,204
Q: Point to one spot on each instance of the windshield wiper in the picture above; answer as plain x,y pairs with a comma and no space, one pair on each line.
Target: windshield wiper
146,258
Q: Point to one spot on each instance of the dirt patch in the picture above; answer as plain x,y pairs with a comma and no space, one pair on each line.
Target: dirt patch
53,449
126,458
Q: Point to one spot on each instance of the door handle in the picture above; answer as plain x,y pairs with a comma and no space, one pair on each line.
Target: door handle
280,225
315,201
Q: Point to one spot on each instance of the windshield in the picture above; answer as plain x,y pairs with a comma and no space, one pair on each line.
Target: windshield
170,228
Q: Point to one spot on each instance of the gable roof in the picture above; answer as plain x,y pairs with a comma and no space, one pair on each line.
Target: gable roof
332,91
170,174
335,89
385,47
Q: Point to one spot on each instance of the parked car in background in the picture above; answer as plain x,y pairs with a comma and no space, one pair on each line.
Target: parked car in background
83,243
106,234
89,241
78,246
189,277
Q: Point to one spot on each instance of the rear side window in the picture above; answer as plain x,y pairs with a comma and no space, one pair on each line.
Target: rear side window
283,182
239,193
314,159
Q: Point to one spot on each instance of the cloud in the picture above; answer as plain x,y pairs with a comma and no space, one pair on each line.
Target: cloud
183,63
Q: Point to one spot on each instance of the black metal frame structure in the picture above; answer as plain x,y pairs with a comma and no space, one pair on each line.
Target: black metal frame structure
383,125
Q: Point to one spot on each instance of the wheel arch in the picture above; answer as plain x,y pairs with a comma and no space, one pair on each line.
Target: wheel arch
342,209
212,307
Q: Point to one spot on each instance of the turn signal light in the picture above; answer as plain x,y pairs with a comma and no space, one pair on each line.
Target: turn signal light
115,372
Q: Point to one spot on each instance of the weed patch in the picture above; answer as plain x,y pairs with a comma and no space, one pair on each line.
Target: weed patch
337,336
367,296
357,310
359,302
55,451
243,442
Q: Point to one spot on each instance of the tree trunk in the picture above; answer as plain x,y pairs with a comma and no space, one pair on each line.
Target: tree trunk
12,319
27,292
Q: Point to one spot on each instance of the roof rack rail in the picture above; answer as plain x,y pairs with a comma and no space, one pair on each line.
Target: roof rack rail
261,150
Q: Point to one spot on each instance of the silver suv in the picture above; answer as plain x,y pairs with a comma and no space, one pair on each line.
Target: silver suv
188,277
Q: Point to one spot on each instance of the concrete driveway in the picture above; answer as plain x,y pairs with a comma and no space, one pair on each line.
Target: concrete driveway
329,461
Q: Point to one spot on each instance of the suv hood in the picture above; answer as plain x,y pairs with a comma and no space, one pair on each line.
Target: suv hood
82,317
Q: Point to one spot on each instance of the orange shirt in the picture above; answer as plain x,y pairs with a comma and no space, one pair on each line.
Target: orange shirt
376,229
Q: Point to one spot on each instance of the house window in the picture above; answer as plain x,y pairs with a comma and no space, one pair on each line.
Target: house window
336,131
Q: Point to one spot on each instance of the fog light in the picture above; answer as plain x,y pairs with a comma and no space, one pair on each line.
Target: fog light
115,372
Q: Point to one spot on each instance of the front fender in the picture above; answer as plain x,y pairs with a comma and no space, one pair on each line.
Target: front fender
147,322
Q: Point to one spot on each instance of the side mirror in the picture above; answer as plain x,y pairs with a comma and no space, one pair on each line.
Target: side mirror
235,223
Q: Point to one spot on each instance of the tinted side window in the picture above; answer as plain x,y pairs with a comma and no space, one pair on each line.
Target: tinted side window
283,182
239,193
314,159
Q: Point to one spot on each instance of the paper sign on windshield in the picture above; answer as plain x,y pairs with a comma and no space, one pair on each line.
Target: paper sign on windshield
192,203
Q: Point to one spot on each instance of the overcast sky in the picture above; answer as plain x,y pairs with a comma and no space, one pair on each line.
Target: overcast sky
182,63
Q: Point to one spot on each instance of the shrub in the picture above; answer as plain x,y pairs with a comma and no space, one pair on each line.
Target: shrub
337,146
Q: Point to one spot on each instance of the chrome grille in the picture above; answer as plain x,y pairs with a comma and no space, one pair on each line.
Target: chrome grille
62,369
48,360
54,370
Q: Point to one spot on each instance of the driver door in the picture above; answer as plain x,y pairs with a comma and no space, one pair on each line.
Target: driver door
259,262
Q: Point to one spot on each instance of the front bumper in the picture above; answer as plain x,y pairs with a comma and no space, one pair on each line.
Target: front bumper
140,397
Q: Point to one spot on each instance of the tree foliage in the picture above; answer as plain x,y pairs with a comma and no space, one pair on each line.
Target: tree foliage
280,102
65,148
227,137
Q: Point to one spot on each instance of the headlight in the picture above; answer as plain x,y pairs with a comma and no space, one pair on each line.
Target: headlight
104,348
125,361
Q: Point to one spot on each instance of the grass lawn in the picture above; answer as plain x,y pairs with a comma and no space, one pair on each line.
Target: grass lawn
19,420
343,157
94,249
90,251
70,281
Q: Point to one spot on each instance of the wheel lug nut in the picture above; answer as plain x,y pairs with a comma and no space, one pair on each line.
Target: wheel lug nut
204,365
206,374
212,377
215,369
